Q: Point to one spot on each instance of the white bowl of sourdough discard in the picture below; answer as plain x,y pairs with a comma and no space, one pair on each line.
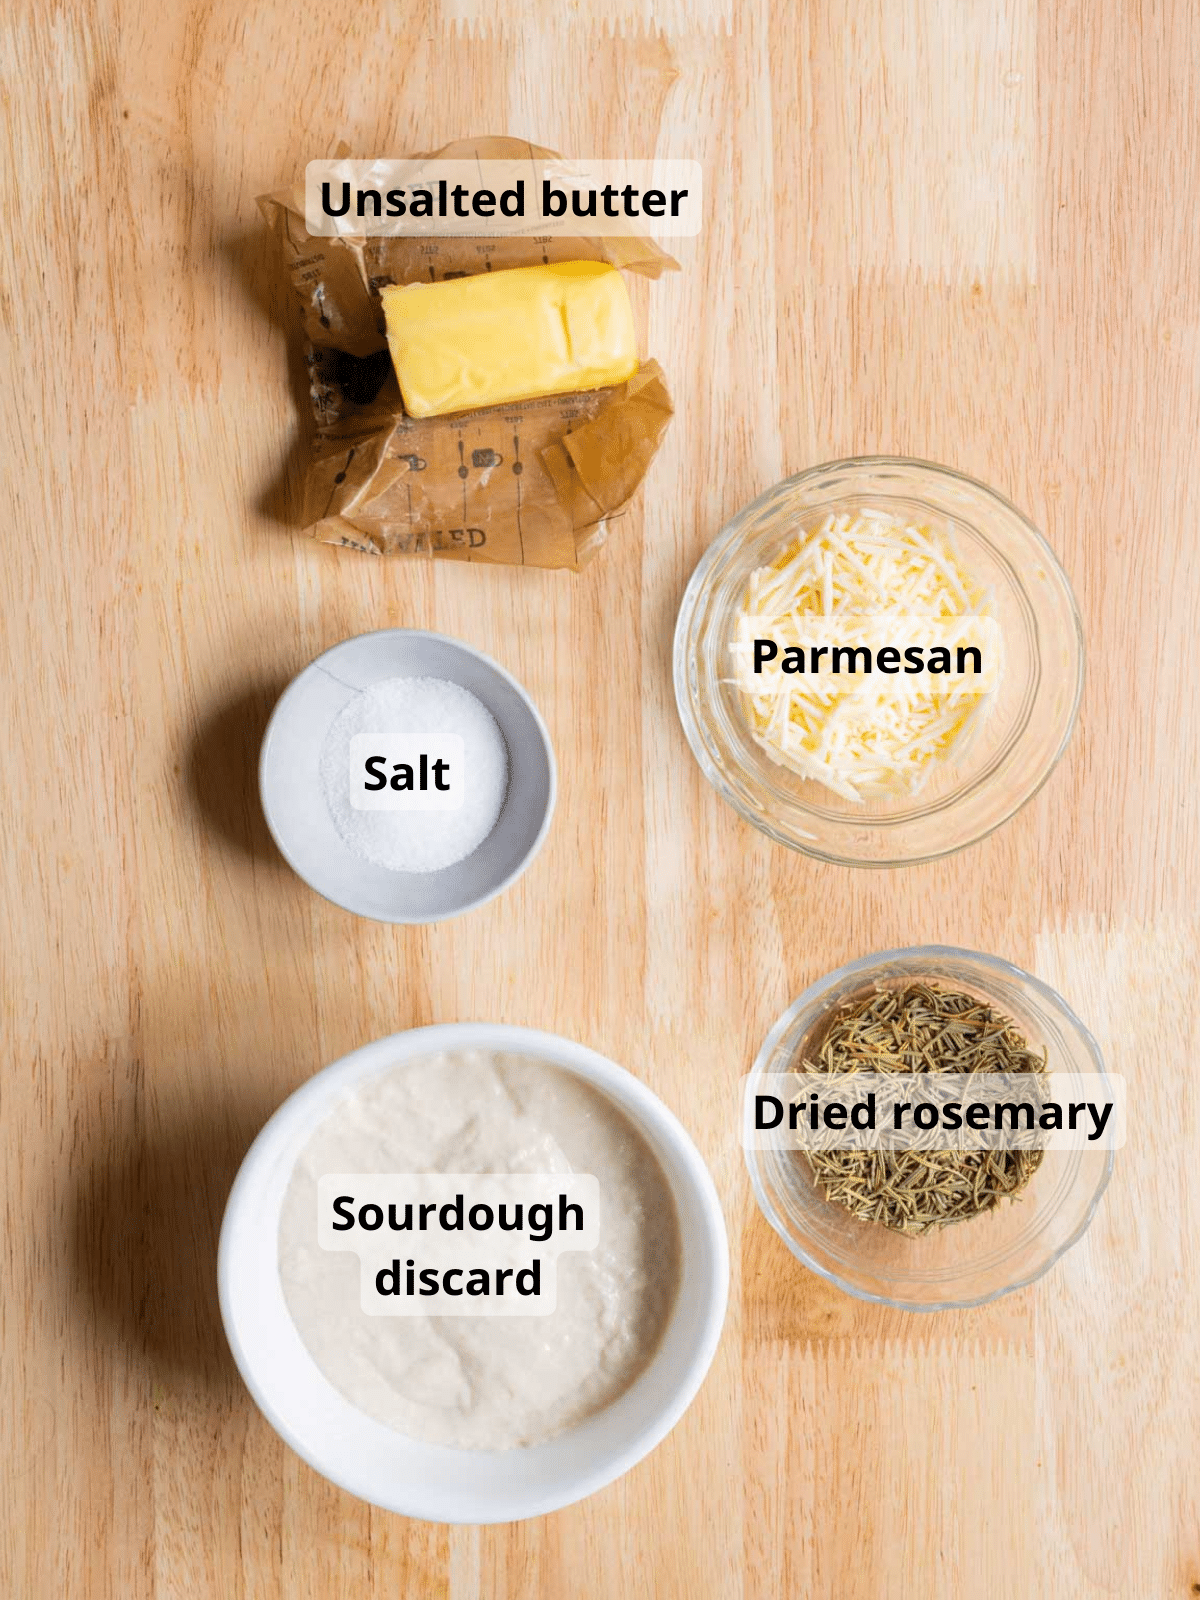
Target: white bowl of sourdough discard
431,1481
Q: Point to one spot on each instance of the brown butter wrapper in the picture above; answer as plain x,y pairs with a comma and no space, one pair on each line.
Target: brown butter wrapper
535,483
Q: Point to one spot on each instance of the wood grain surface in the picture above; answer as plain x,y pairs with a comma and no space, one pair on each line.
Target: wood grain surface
962,229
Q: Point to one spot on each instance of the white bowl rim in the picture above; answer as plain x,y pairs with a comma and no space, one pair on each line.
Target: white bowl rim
298,1116
868,963
320,663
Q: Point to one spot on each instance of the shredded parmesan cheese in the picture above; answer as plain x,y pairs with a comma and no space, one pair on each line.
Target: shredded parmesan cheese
862,735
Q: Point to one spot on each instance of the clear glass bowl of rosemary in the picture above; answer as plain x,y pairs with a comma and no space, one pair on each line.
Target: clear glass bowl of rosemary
987,778
964,1263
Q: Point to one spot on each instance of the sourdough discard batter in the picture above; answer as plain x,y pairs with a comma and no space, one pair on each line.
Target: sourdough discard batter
487,1382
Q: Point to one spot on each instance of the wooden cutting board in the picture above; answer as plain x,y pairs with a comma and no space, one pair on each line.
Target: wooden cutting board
953,228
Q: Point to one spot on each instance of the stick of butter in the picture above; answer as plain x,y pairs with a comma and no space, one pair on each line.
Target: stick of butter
512,335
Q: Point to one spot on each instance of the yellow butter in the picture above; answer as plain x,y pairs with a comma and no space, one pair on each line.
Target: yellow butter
514,335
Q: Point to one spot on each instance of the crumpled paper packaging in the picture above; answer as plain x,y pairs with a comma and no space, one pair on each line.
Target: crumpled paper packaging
536,483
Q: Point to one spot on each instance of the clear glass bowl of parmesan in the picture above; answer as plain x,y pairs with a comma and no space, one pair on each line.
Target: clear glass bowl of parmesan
878,661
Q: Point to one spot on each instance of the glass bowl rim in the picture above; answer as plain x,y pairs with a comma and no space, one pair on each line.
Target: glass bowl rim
688,605
868,963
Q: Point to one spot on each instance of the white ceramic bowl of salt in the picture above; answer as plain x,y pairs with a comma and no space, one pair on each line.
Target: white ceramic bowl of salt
331,847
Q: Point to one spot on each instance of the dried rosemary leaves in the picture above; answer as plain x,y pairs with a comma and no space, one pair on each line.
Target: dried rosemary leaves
921,1028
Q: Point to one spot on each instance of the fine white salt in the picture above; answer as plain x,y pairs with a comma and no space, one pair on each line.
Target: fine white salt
409,713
